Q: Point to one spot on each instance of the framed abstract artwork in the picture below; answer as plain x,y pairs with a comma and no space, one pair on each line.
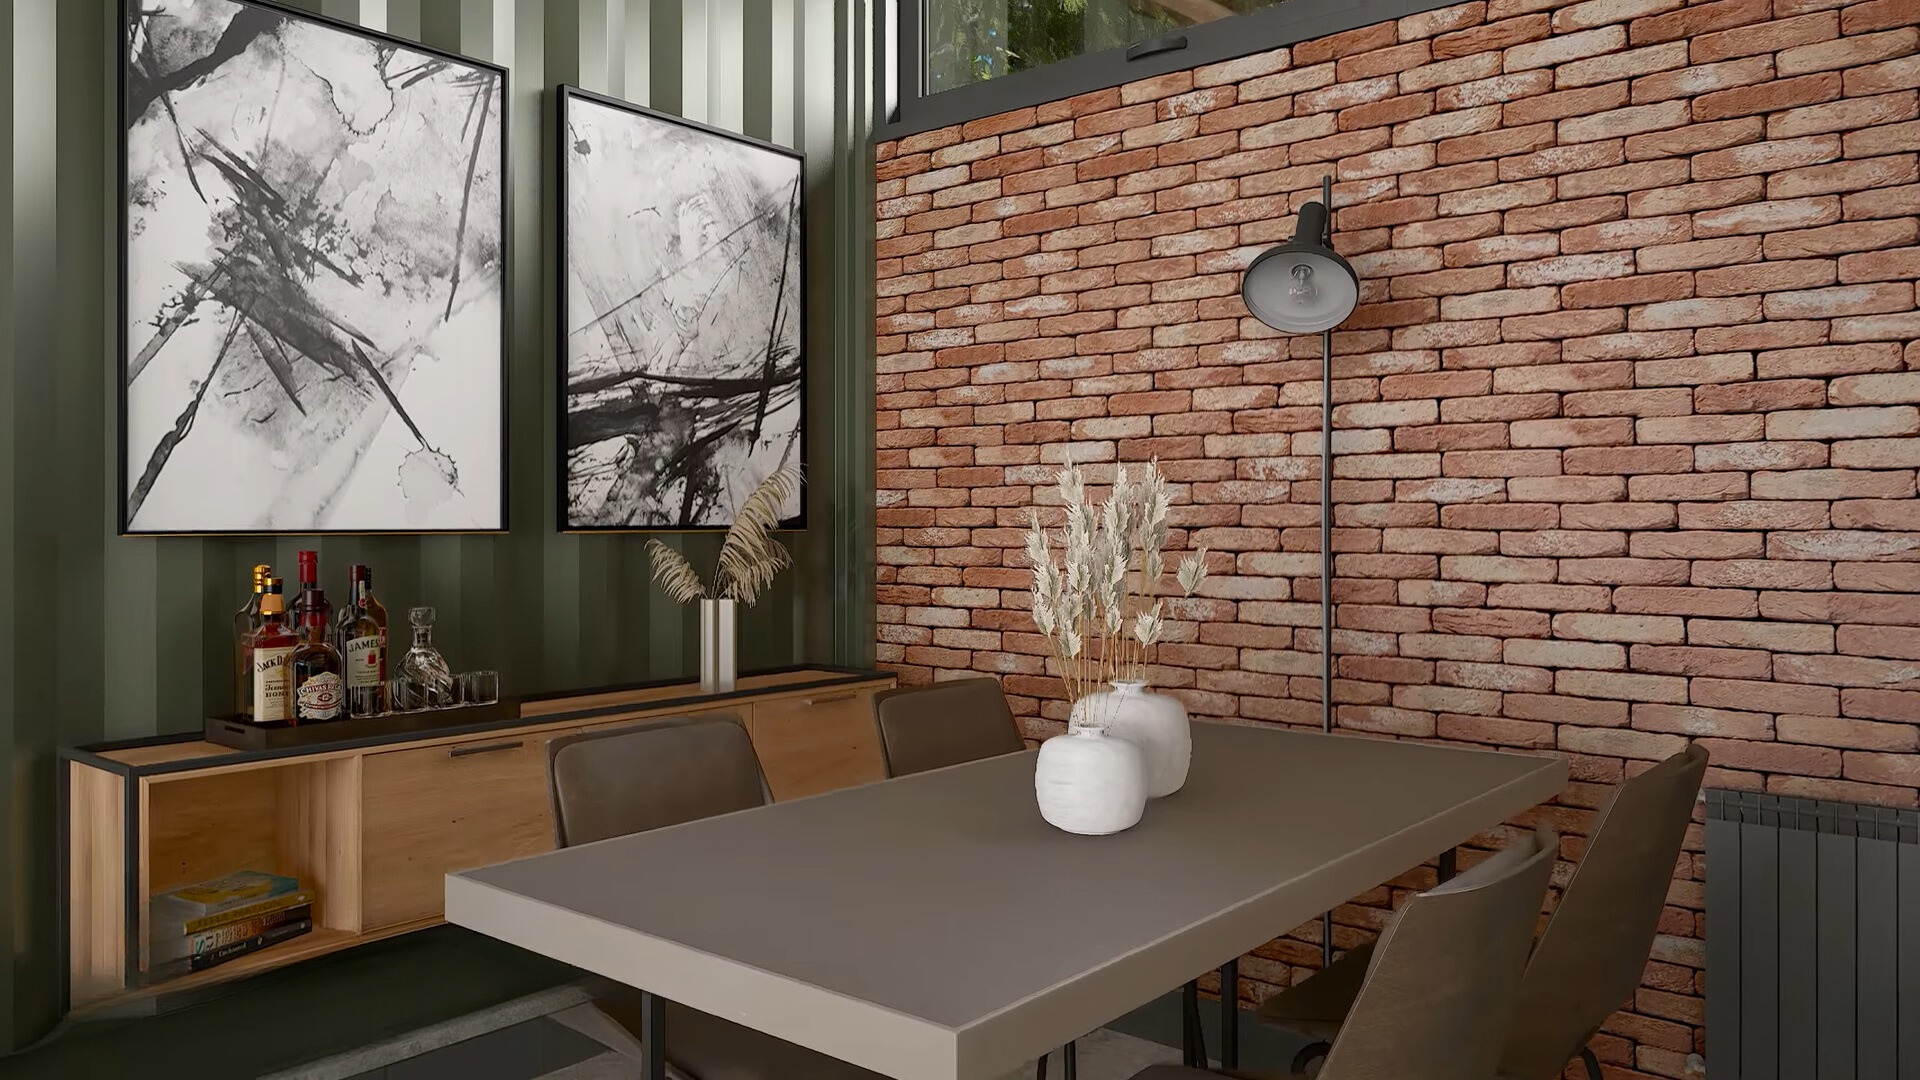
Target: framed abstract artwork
683,318
313,319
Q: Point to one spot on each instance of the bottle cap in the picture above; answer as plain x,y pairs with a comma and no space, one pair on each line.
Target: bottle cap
309,565
261,572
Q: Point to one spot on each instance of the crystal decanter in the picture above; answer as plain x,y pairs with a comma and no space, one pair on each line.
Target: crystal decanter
424,682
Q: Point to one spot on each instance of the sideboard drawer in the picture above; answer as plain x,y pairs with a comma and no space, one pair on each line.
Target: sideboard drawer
819,742
442,808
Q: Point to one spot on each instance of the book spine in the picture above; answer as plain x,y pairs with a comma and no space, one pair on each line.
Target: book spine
207,898
250,911
224,953
242,929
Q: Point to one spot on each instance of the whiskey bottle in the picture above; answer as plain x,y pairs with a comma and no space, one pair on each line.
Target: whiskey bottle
271,649
319,690
310,584
245,622
362,641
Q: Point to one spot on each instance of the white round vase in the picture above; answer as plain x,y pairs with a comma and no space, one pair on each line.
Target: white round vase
1089,782
1156,723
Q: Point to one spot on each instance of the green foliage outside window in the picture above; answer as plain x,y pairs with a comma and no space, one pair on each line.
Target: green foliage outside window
970,41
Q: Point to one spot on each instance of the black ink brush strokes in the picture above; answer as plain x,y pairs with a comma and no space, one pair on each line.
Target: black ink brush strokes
330,255
684,378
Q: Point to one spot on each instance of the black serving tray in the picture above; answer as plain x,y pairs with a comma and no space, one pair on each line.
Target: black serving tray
243,734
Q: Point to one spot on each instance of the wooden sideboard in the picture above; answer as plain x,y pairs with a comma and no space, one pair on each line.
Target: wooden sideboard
374,826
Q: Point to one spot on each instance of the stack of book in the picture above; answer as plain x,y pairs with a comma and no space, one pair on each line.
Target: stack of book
205,925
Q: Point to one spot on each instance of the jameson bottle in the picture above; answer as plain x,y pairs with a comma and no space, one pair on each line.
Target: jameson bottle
245,622
310,586
362,640
319,688
271,651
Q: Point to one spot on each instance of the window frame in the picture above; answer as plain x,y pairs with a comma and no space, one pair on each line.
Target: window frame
903,107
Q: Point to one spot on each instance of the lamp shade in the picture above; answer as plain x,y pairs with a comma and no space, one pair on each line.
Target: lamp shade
1303,286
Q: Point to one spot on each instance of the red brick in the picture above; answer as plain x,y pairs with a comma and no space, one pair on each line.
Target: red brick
1786,36
1876,15
1701,19
1771,97
1492,37
1633,367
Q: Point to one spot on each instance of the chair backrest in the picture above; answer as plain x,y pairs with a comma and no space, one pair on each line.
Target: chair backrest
1594,950
651,775
1441,985
929,727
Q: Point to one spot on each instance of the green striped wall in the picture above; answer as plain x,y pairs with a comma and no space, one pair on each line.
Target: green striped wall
110,637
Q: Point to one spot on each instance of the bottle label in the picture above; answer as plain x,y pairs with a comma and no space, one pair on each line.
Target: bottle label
273,685
321,697
363,662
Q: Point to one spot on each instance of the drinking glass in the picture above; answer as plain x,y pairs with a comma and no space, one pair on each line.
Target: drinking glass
479,687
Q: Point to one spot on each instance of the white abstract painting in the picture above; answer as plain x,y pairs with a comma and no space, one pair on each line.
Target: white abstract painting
313,277
683,383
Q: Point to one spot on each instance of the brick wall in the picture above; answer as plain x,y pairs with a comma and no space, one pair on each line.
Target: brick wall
1626,422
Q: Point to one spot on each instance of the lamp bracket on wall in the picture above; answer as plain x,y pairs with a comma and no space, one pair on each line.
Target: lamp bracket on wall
1154,46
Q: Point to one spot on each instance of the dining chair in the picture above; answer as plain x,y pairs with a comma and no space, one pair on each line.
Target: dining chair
945,723
1435,998
648,776
949,723
1591,955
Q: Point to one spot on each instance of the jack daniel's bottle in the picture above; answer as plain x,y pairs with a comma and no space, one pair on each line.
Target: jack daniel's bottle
270,654
245,622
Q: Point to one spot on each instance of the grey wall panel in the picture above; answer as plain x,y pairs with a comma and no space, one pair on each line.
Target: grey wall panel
104,636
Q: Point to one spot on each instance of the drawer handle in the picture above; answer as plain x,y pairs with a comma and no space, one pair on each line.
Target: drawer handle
829,699
469,751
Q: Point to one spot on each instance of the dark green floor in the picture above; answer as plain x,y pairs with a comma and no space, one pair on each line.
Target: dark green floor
385,990
310,1011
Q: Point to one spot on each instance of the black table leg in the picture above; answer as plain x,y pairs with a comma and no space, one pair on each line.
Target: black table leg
1069,1061
653,1030
1230,1014
1446,871
1193,1043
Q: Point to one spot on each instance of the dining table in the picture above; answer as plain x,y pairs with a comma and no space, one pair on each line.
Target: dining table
935,927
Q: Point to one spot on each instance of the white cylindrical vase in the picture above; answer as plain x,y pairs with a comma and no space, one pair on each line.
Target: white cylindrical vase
1156,723
716,646
1089,782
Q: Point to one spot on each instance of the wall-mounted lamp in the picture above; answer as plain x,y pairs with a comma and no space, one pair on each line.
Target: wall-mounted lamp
1303,286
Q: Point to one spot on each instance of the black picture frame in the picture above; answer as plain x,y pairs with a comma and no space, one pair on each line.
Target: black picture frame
127,11
563,95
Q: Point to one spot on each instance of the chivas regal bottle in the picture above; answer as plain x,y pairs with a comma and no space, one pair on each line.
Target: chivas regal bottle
319,682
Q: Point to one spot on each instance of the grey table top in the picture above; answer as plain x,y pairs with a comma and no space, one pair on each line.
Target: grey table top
935,927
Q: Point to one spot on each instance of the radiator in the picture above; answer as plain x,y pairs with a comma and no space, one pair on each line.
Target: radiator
1813,939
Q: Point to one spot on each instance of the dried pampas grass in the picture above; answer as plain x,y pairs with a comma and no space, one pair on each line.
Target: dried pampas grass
750,557
1098,602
